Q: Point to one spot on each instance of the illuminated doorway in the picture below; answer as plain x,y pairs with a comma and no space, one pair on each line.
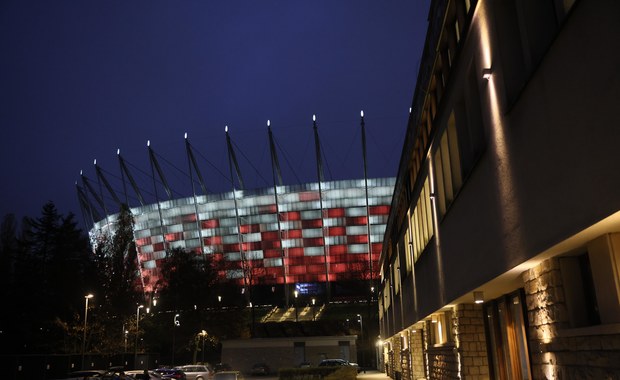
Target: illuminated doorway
506,329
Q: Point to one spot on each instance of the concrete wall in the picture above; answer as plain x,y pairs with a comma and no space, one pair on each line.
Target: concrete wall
281,352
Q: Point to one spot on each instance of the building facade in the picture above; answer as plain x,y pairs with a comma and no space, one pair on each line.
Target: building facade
501,258
292,352
304,235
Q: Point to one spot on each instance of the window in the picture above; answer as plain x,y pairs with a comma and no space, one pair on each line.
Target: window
421,221
525,31
448,166
440,328
579,291
402,256
587,279
409,244
460,145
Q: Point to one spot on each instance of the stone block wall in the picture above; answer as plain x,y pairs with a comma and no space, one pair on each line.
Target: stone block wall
468,331
443,362
394,368
556,350
417,354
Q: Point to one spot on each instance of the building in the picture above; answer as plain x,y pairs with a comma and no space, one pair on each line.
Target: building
501,257
301,239
278,353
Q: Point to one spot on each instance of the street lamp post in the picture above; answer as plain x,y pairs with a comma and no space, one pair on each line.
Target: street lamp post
203,334
135,353
361,335
296,314
313,310
176,324
125,332
86,298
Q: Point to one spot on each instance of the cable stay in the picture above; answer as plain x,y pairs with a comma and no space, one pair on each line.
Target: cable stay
85,205
250,163
275,163
105,182
92,191
231,156
155,164
194,165
125,171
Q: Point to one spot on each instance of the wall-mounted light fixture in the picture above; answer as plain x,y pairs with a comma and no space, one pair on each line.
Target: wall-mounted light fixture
478,297
486,73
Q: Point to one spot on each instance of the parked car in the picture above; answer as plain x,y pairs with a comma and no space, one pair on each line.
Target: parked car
196,372
171,373
140,375
260,369
85,374
115,373
228,375
338,362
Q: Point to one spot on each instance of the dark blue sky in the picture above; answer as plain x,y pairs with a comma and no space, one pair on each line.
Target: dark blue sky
79,79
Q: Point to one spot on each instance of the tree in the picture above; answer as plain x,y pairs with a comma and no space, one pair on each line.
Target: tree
48,261
8,252
187,280
116,283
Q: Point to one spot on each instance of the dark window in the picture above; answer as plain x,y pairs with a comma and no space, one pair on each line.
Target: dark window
525,29
579,291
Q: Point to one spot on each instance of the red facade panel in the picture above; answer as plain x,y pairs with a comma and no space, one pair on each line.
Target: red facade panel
336,231
249,228
336,212
313,242
210,223
357,239
337,249
292,234
291,215
312,223
356,221
379,210
308,196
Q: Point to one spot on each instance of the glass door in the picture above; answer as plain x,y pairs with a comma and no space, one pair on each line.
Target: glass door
507,338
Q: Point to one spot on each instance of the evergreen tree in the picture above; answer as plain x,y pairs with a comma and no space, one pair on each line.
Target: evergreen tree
48,269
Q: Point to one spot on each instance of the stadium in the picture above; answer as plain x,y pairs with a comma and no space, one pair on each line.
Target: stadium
301,238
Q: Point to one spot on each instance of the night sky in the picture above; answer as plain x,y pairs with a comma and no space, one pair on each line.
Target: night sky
81,79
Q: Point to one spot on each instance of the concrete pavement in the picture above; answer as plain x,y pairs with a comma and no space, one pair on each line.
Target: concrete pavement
373,375
368,375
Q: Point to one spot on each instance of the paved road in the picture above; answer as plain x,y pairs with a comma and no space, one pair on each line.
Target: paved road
373,375
369,375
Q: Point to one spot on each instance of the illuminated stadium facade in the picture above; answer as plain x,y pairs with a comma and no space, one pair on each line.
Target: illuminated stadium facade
303,237
241,231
